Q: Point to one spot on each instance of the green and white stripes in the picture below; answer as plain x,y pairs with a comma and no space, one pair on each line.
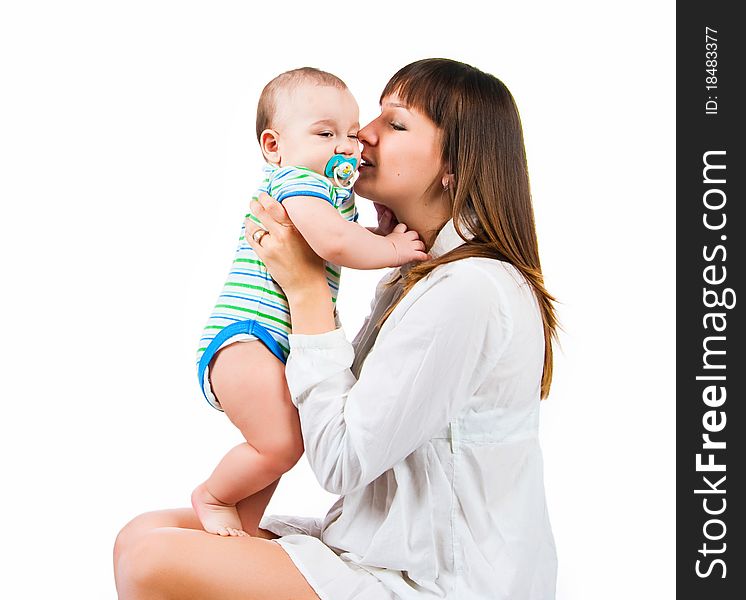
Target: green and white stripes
249,292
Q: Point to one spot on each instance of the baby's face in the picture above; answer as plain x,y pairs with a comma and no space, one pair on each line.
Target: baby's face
315,122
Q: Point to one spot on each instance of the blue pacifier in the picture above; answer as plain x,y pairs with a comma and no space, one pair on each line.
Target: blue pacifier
343,170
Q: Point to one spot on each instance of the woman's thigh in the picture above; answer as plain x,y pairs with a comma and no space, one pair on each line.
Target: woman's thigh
185,564
183,518
146,522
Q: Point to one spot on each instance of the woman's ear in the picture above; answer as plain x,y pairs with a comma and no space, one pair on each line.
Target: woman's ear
269,142
447,181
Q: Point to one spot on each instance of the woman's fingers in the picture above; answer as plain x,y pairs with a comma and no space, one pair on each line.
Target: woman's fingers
258,210
386,219
381,209
249,229
272,216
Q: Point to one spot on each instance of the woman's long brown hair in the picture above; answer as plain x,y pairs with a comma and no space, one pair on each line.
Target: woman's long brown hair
482,144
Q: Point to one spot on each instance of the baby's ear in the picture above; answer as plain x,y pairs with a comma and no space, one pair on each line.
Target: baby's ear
269,143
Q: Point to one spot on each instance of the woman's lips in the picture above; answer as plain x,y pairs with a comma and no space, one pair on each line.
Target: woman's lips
365,162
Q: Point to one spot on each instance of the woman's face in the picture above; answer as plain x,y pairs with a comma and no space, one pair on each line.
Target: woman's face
402,165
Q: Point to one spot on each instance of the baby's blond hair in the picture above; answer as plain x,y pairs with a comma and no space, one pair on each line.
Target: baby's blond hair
287,81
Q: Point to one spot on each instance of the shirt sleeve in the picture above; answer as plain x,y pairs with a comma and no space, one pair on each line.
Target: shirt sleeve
416,377
287,182
346,204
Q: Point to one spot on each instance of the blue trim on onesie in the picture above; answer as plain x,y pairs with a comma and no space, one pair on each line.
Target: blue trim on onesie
293,193
247,327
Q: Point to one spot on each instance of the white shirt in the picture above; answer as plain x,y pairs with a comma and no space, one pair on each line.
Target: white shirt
431,443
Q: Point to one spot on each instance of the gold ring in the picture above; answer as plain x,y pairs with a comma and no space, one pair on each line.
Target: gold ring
258,235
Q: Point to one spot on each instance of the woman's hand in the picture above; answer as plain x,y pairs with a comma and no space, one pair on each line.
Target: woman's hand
386,219
289,259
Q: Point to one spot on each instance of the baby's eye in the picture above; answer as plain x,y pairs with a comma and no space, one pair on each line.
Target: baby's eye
353,136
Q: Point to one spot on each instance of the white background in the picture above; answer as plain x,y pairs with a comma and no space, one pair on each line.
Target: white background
127,156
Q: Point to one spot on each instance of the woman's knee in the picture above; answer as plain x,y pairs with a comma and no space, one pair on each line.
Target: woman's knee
123,545
127,534
138,563
148,521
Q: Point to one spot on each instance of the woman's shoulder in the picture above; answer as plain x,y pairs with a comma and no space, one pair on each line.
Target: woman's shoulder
481,285
493,292
481,273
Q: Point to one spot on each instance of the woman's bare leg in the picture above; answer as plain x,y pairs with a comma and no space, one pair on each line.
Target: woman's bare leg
165,555
249,382
183,518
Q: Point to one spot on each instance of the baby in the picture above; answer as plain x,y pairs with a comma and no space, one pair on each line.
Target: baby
307,125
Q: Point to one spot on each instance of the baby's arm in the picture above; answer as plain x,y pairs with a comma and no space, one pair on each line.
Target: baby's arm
346,243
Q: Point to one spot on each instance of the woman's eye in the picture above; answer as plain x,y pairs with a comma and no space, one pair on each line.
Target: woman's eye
397,126
326,134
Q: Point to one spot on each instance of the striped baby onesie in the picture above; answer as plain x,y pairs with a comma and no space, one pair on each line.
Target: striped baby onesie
251,305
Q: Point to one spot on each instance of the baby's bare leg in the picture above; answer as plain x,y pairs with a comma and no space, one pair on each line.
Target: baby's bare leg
249,381
251,510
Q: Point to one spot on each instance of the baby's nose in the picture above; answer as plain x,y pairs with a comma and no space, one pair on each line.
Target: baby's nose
347,147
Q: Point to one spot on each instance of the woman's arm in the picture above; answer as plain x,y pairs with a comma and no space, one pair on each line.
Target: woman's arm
450,332
293,264
417,377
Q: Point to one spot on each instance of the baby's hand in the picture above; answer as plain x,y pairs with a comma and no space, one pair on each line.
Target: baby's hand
407,246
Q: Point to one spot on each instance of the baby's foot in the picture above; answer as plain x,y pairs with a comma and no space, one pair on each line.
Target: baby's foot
216,517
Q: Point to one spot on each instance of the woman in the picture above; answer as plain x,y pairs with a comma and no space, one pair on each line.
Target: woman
426,426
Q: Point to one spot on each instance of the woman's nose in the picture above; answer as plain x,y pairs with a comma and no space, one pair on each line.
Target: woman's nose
367,134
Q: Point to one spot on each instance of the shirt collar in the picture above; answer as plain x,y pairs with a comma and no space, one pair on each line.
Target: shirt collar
342,193
448,239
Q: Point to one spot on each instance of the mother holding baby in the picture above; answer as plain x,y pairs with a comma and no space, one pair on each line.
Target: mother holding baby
426,425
